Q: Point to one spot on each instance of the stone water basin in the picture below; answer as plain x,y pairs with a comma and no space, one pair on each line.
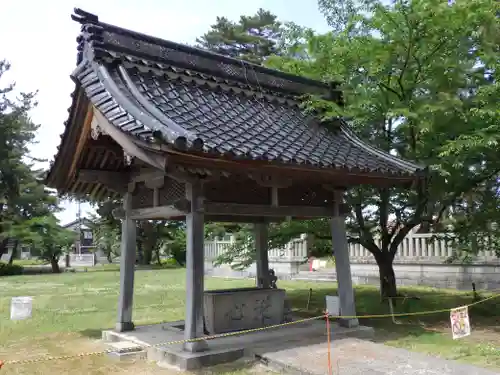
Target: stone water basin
229,310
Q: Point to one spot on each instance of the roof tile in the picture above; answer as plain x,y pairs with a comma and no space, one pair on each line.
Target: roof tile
244,125
146,85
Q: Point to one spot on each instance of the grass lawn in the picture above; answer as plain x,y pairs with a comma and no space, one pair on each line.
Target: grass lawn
71,309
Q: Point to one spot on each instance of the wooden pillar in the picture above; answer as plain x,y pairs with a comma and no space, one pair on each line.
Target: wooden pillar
193,326
262,258
127,268
343,265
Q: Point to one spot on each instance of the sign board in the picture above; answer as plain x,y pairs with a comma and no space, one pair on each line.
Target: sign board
21,308
333,305
315,264
460,325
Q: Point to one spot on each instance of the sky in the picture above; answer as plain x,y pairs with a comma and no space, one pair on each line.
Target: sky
38,38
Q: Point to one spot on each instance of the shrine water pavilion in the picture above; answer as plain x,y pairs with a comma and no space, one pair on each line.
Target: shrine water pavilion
180,133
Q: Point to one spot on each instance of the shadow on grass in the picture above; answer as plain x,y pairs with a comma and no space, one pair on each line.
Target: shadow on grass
92,333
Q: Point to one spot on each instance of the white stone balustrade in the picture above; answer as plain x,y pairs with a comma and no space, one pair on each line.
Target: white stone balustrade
416,247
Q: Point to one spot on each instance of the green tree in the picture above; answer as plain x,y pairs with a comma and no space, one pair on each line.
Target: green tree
50,239
34,201
106,229
151,237
420,80
106,237
174,241
17,132
154,237
252,38
413,74
475,216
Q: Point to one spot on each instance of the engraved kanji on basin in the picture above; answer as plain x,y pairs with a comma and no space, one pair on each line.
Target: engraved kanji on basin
240,309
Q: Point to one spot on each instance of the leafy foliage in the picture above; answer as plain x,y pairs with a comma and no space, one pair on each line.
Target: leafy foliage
17,132
33,201
155,238
10,269
26,207
174,241
420,80
106,230
252,38
413,73
51,239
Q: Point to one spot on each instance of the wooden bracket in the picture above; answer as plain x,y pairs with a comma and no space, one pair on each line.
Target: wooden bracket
130,148
267,180
113,180
155,182
118,213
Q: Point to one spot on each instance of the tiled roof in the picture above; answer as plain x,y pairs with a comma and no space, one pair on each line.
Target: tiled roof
194,99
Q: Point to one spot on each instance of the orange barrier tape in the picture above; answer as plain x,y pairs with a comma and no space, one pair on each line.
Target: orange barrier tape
330,371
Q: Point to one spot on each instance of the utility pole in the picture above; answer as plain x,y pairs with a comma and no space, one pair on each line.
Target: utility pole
79,228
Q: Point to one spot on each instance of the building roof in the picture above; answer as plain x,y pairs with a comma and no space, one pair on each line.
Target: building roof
195,101
84,223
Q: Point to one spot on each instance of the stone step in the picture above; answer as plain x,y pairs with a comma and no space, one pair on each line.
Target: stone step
321,272
287,312
122,350
319,280
316,276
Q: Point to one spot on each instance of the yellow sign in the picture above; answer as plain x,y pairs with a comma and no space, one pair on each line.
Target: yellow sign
460,325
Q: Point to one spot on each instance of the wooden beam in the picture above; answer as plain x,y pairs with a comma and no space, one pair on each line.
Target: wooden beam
113,180
339,177
274,196
155,182
193,326
242,219
153,159
160,212
269,180
81,141
152,178
216,208
149,174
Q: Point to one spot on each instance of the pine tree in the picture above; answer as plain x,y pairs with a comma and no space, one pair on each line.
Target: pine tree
17,132
252,38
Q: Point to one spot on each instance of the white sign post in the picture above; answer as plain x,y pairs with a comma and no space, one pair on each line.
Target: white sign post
460,324
21,308
333,305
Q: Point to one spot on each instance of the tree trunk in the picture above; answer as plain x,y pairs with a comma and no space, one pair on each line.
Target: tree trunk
157,254
13,252
148,254
140,253
149,241
388,286
54,263
3,246
110,260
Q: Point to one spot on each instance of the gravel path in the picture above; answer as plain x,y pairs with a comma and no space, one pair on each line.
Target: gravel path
359,357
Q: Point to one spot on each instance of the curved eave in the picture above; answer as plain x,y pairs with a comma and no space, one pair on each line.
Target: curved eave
406,167
132,113
336,176
120,101
73,126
